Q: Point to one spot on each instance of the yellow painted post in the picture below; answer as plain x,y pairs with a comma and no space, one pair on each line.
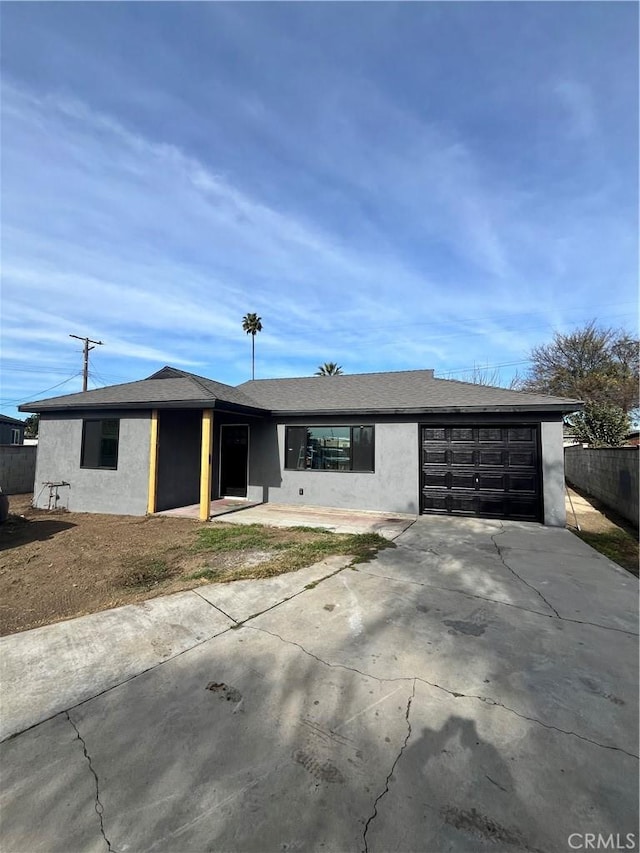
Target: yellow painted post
153,463
205,463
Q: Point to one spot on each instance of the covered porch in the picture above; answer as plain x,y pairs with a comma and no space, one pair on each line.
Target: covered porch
198,462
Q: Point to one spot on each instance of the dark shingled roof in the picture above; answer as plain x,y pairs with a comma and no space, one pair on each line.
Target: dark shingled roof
396,392
168,388
403,390
5,419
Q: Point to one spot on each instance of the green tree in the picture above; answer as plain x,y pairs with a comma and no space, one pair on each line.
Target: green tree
329,368
252,324
31,426
600,425
594,364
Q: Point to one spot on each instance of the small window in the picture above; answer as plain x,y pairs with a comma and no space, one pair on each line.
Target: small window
100,443
15,436
329,448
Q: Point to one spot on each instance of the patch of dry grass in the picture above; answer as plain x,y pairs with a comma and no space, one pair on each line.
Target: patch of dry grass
280,550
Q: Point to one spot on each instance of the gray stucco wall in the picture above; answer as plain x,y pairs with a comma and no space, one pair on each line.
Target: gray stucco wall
393,487
17,468
609,474
123,491
553,490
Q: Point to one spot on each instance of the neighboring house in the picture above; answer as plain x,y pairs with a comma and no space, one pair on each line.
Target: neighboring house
11,430
395,442
633,437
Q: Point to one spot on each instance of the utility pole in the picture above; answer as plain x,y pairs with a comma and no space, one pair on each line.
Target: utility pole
85,368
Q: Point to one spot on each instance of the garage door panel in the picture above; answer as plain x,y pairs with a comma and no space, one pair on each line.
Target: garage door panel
521,459
522,509
435,457
436,479
523,483
465,504
435,503
461,434
462,480
434,433
494,482
491,457
490,434
521,434
461,457
481,471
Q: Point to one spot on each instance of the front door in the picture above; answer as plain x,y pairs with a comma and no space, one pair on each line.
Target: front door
234,450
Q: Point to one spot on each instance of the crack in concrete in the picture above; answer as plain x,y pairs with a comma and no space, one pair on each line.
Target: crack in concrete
402,532
490,701
306,588
458,591
486,699
515,574
173,657
119,684
99,808
385,791
326,662
497,601
537,591
418,550
215,606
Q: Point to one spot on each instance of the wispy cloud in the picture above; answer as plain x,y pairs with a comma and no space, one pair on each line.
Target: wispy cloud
373,212
578,103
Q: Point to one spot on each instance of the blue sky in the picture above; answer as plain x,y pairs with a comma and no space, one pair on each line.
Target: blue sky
388,186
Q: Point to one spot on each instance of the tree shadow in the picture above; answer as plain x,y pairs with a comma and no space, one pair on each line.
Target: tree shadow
268,738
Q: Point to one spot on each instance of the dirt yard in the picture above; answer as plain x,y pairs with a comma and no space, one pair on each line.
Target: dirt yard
57,565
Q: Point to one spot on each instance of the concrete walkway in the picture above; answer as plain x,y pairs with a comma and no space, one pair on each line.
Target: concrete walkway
474,688
336,520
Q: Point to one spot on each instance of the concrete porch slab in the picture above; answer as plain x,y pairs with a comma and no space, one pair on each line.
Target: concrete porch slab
222,506
338,520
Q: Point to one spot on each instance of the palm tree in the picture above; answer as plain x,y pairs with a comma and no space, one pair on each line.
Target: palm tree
329,368
252,324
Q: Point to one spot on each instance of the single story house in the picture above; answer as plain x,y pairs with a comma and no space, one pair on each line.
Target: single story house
633,438
398,442
11,430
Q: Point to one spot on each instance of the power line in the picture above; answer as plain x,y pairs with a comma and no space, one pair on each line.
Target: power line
95,375
43,369
38,393
487,366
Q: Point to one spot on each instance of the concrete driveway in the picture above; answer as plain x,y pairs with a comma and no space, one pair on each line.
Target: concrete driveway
474,688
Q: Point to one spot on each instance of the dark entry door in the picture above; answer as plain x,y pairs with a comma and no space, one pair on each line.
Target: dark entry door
488,471
234,449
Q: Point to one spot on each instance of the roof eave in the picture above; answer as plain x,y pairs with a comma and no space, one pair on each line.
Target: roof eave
557,408
217,405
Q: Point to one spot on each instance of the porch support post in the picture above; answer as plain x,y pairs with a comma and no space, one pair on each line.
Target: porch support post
206,456
153,463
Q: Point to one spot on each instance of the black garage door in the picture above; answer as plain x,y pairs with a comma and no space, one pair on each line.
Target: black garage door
488,471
